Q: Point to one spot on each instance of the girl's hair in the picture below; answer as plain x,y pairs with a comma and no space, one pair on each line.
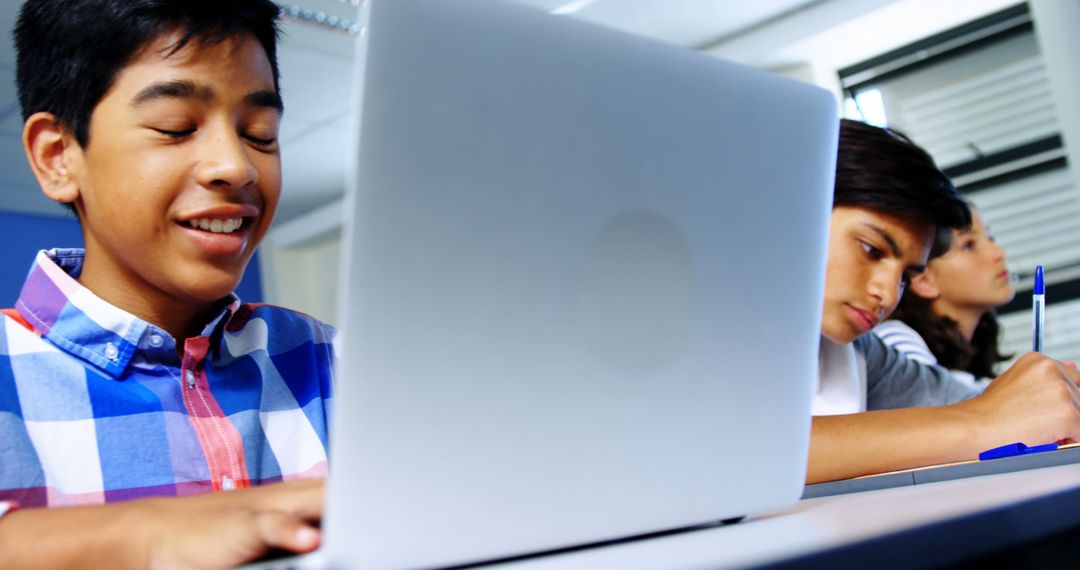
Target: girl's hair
942,335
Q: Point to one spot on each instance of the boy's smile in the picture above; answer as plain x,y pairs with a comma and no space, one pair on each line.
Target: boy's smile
179,179
221,230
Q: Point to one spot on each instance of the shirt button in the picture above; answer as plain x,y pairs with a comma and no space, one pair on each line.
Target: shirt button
156,340
111,352
227,484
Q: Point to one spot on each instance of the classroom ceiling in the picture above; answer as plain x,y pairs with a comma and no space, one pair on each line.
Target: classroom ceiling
316,64
688,23
315,68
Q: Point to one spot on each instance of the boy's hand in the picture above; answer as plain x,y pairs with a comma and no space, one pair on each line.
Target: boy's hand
221,530
217,530
1036,401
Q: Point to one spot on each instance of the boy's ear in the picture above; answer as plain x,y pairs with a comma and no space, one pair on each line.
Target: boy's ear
52,152
924,286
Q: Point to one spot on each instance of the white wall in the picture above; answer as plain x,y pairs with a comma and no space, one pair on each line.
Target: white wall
300,262
304,276
1056,25
815,43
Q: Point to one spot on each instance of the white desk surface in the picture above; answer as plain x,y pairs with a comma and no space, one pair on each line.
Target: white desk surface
815,525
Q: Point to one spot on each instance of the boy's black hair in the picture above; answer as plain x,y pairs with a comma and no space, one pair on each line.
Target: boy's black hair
69,52
883,170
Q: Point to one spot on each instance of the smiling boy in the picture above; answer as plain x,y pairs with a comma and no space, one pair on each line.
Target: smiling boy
129,370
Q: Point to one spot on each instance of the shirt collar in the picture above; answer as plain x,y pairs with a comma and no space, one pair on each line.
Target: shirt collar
82,324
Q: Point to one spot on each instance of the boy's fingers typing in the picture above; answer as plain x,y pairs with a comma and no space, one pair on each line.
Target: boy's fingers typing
232,528
280,530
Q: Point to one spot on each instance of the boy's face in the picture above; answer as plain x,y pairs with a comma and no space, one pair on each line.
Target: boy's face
872,256
181,175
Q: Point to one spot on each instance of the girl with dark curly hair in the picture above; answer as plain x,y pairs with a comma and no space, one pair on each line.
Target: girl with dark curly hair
947,316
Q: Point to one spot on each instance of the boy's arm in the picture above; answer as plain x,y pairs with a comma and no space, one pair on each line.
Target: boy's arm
216,530
1036,401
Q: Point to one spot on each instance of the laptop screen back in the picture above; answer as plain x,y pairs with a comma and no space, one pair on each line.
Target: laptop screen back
583,283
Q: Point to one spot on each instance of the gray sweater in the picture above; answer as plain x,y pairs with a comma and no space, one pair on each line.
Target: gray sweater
894,381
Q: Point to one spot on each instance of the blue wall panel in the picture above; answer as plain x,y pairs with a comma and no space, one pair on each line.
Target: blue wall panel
22,235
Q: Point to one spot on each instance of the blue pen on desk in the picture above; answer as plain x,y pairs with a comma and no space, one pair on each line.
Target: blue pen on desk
1038,308
1014,449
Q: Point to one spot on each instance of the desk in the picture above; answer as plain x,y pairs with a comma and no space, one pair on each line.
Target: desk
904,527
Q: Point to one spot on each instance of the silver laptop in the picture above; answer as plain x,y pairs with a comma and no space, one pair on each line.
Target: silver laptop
583,276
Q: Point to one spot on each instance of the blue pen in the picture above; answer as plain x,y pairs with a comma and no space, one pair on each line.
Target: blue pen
1014,449
1038,308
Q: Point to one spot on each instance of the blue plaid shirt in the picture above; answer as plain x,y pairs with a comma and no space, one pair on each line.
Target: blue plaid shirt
97,406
